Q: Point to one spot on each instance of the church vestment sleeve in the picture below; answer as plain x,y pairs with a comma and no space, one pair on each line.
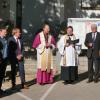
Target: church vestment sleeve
53,42
36,41
61,45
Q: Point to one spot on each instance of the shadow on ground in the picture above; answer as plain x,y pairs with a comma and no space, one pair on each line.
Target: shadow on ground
57,78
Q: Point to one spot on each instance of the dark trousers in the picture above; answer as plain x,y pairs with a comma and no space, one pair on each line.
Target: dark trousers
21,71
20,64
69,73
3,66
93,68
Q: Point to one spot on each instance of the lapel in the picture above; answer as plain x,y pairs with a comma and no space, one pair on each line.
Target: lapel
90,37
3,40
14,39
19,41
96,36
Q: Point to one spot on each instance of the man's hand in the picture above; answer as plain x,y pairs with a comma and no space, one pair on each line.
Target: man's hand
51,47
19,57
47,45
90,44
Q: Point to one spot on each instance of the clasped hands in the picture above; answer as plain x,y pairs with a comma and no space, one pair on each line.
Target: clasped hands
90,45
48,46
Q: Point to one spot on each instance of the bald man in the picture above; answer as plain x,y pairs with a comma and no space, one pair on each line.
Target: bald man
92,42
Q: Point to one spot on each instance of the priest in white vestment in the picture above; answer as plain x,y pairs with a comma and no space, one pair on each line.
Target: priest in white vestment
69,56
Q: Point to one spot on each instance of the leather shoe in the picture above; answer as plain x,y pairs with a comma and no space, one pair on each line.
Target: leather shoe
13,86
25,86
89,81
96,81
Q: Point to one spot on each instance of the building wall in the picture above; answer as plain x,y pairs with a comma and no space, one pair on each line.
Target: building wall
13,10
4,9
73,10
35,12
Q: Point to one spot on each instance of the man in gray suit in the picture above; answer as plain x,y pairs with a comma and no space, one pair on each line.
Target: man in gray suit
92,42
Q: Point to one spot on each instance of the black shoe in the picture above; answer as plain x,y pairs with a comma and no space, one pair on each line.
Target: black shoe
2,93
96,81
65,82
72,81
24,86
89,81
13,86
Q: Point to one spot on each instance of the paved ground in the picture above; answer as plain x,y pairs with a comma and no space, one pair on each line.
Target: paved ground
80,90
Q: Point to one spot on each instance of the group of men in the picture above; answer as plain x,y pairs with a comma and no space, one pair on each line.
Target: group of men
11,50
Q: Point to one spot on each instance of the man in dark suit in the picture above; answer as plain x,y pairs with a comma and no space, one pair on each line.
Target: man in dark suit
3,55
92,42
15,48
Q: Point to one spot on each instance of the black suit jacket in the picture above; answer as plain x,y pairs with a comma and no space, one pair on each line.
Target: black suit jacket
93,52
12,48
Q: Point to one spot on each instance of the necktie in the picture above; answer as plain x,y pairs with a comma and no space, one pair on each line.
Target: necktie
18,48
93,37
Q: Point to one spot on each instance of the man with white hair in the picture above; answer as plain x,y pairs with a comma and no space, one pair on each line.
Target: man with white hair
92,42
